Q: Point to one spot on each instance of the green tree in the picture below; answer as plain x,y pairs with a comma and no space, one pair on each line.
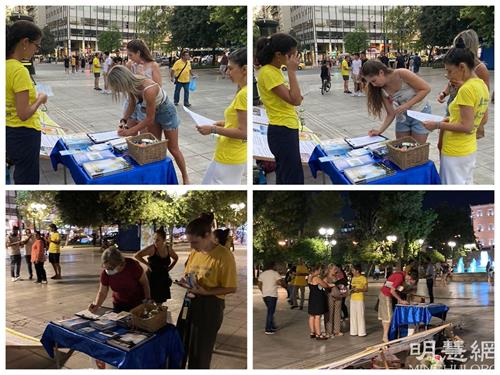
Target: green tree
233,20
48,43
109,40
482,20
29,206
402,25
356,41
438,25
153,25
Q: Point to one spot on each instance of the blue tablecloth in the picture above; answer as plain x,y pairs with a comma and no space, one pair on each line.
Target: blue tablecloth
405,315
153,354
158,173
425,174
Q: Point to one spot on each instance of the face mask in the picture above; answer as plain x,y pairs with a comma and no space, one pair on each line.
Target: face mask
112,272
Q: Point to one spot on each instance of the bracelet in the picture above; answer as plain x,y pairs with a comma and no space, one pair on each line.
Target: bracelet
214,129
444,94
124,120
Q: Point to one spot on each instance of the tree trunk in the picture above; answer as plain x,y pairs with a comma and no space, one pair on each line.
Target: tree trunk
171,234
100,235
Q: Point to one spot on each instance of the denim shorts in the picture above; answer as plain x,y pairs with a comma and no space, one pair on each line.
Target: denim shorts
411,125
166,115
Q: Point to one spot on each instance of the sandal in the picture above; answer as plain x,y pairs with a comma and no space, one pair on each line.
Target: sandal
321,337
312,335
339,334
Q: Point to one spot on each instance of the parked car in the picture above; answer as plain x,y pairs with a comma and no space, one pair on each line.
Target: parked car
301,66
207,60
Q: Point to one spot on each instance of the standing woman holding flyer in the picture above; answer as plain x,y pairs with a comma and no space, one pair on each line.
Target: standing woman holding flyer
280,99
229,162
23,135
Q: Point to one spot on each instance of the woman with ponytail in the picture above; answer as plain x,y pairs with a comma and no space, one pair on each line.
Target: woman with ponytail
161,259
210,276
23,136
280,99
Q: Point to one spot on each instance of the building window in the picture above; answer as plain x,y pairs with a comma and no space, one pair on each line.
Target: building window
479,228
479,213
490,227
490,211
492,242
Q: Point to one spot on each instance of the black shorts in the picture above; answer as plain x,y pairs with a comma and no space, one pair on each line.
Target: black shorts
97,75
346,78
54,257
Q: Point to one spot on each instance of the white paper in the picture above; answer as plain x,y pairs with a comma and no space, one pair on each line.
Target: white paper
260,116
43,88
101,137
420,116
365,140
261,148
306,150
49,141
199,119
117,141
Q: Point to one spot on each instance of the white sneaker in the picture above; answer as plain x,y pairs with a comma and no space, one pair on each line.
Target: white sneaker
362,94
44,282
13,279
19,278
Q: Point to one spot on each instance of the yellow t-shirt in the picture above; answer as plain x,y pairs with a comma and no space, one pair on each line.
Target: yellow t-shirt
179,64
280,113
344,68
300,280
358,282
73,60
473,93
232,150
54,248
97,65
17,79
214,269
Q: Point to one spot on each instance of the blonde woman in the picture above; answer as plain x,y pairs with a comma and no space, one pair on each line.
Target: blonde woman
229,162
153,101
467,39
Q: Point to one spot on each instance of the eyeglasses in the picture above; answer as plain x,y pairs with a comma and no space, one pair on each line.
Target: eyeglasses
38,45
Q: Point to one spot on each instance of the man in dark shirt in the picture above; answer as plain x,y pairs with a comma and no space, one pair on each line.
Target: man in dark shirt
400,61
384,59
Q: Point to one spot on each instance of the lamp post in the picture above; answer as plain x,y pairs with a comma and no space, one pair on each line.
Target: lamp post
328,232
37,208
452,245
237,207
391,239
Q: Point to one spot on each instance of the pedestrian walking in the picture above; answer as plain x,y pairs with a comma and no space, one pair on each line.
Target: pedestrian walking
108,62
268,283
55,251
359,286
356,75
96,66
23,134
396,91
66,64
180,75
27,240
430,275
38,258
344,71
14,247
280,99
223,65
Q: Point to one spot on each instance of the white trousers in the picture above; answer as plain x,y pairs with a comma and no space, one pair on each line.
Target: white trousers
357,318
457,170
223,174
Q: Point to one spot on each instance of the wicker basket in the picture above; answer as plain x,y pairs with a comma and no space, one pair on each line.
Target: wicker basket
152,324
146,154
405,159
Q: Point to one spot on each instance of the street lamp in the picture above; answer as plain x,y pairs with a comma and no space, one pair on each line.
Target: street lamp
391,238
420,242
328,232
237,207
452,245
37,208
282,242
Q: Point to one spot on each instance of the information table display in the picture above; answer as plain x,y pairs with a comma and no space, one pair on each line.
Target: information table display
405,315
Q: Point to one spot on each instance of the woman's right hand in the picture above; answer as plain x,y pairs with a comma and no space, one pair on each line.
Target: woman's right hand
374,132
92,308
42,98
441,97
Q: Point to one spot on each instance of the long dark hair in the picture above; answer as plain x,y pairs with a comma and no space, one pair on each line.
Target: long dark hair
137,45
161,232
239,57
375,96
221,235
456,56
20,30
266,47
201,226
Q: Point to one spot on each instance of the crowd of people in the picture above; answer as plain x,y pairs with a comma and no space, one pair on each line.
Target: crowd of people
147,106
209,275
331,286
391,90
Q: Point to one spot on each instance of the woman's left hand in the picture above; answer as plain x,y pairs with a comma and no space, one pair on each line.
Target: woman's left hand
198,289
126,132
430,125
204,129
401,109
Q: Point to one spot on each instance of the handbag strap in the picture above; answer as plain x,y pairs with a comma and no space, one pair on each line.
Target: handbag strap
177,77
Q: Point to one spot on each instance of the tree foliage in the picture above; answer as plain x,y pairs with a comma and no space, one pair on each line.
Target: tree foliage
153,25
109,40
438,25
402,25
233,20
356,41
48,43
482,20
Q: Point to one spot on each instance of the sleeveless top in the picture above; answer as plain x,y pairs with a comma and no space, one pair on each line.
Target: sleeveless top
160,97
158,263
404,94
159,279
146,72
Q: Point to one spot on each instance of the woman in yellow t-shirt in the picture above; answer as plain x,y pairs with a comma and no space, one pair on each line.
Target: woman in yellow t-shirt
280,99
230,156
23,135
210,275
457,137
359,286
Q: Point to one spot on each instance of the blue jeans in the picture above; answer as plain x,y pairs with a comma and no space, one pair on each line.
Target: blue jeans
271,308
177,92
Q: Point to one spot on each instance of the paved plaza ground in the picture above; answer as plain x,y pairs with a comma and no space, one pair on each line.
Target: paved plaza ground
471,305
78,108
31,306
338,115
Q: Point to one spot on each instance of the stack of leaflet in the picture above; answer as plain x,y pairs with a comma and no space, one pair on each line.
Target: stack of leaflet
100,147
367,173
83,157
335,147
103,324
74,323
342,163
106,167
130,340
78,141
379,149
101,137
119,145
358,142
